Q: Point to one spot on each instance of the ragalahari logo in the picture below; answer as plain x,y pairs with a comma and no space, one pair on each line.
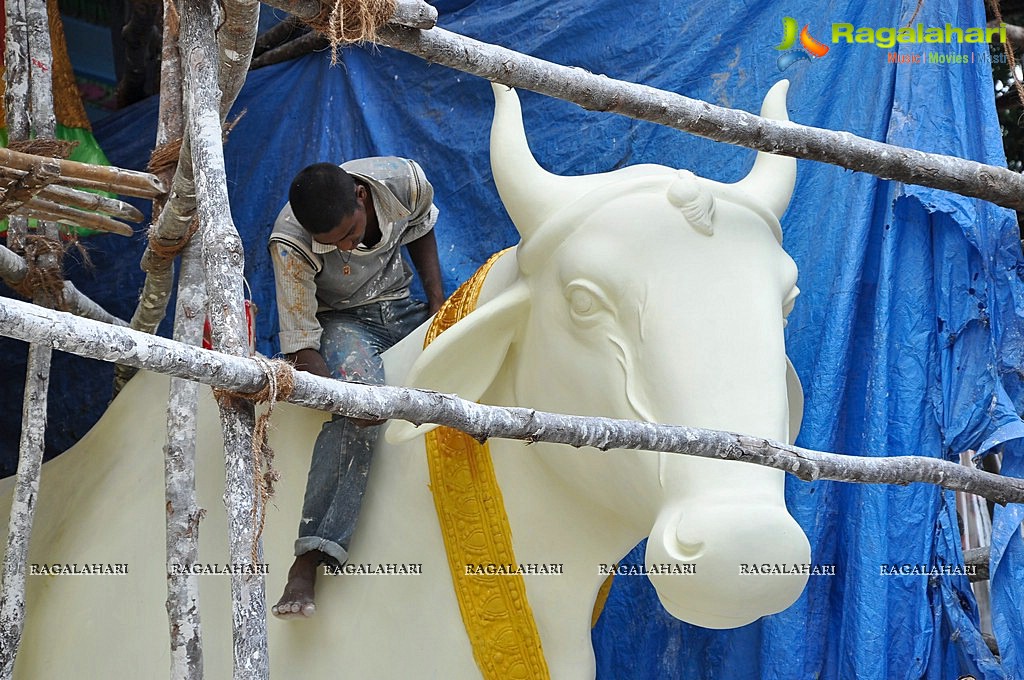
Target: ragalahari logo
789,38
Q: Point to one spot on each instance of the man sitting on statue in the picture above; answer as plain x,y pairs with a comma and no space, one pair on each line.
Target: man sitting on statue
342,299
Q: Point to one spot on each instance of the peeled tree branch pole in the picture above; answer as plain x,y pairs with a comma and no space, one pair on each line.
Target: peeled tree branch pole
29,105
64,332
85,175
183,512
412,13
600,93
223,260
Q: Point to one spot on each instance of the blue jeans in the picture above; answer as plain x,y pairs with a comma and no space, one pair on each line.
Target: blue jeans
351,344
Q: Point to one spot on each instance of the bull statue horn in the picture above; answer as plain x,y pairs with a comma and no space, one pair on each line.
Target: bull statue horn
530,193
772,178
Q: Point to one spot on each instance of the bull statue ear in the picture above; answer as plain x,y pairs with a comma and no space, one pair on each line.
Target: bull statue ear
465,359
772,178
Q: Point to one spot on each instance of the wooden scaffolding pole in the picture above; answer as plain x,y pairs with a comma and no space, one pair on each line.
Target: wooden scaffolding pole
600,93
183,512
29,105
88,176
67,333
223,259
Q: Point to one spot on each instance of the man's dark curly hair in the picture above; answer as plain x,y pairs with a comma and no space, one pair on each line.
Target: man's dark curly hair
321,195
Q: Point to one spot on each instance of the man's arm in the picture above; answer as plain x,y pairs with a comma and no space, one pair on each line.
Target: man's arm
296,310
423,252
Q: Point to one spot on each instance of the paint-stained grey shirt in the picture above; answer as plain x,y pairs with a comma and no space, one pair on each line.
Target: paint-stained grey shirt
309,281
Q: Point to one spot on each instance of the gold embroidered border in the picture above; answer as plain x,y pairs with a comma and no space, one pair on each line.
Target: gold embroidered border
470,510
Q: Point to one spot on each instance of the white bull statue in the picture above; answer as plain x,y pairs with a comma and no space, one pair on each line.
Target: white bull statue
645,293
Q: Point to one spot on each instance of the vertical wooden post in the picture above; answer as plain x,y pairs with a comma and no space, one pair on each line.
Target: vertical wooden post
26,489
29,103
183,513
16,97
223,258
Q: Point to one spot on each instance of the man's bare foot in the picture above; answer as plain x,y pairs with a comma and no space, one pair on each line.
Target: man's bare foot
297,600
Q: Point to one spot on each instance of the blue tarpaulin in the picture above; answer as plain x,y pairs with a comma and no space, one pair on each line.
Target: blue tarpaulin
907,336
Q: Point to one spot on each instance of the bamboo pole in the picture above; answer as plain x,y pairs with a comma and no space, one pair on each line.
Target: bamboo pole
223,258
16,75
300,46
278,35
600,93
75,174
236,38
26,489
42,120
27,186
48,210
64,332
979,559
84,200
10,179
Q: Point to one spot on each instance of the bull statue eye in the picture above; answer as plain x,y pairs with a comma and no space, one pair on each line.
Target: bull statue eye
581,301
586,302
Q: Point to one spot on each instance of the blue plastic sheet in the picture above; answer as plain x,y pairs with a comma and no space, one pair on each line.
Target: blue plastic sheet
907,337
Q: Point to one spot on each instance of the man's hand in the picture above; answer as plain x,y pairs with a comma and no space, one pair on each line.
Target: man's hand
310,361
367,423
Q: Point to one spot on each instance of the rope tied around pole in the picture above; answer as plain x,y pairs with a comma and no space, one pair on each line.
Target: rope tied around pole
165,156
42,280
169,251
50,148
351,21
280,383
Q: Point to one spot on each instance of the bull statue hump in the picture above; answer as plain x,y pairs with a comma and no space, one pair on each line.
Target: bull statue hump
645,293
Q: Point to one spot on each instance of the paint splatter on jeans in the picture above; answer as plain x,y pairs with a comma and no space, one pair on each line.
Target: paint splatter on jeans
352,343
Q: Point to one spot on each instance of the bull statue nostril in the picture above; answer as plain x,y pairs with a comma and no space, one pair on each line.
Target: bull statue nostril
708,544
678,541
690,551
688,546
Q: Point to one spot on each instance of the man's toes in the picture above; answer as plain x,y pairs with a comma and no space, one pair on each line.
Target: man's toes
308,609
